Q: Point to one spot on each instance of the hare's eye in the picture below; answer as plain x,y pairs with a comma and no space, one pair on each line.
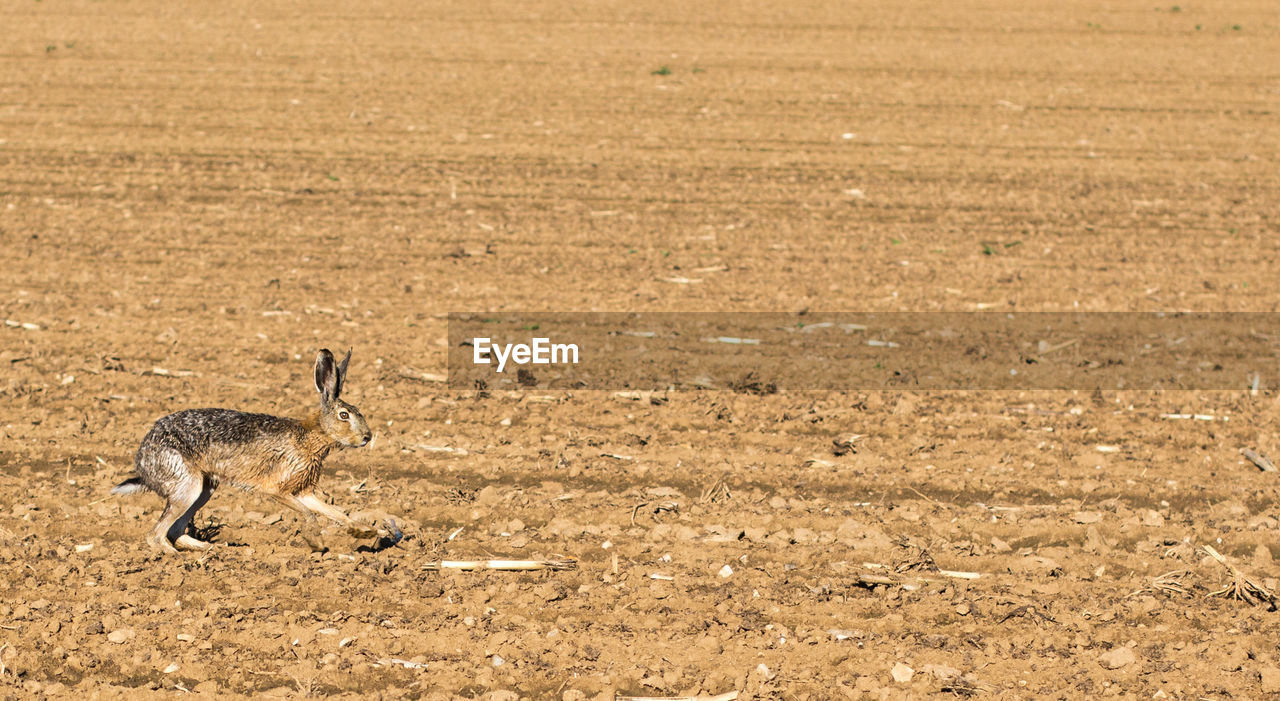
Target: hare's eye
344,415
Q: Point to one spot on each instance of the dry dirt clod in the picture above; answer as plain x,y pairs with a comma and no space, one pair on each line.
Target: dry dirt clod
1117,658
940,672
1270,678
122,635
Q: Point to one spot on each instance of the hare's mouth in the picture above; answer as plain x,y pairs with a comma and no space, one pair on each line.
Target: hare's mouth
354,442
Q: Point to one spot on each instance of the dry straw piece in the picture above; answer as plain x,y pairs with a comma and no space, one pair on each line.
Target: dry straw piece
892,578
1170,583
564,563
1241,587
1261,461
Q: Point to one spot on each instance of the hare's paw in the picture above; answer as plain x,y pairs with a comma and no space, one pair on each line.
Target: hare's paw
186,542
387,537
393,532
161,543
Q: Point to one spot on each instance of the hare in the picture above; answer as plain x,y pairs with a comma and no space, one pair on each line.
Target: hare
186,455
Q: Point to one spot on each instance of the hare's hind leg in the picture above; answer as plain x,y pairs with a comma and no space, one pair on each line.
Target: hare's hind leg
184,541
184,490
181,496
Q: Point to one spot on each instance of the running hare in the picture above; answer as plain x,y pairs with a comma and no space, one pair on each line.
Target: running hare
186,455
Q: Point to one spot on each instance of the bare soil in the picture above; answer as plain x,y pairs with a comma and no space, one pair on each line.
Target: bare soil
193,199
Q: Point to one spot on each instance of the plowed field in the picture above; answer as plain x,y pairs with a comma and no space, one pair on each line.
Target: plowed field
194,198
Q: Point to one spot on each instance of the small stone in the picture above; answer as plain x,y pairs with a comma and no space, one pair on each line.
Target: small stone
173,667
963,609
1262,557
1117,658
687,533
1270,679
862,536
1152,519
1263,522
550,592
1035,564
940,671
122,635
1087,516
1236,658
1094,542
902,673
726,572
781,537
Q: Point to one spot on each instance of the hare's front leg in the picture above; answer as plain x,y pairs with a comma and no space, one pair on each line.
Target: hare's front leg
312,531
309,505
333,513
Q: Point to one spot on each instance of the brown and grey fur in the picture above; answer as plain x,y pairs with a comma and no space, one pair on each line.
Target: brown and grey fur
186,455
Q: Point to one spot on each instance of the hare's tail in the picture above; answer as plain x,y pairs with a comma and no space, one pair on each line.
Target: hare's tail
132,485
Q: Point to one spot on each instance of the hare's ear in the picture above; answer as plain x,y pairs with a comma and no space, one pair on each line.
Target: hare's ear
326,377
342,374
